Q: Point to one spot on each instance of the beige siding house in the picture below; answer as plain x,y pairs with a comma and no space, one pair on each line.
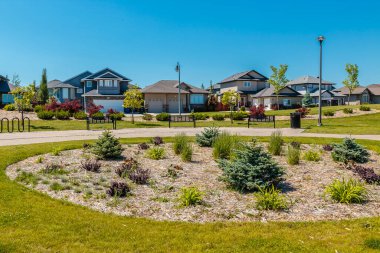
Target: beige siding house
360,95
287,98
163,97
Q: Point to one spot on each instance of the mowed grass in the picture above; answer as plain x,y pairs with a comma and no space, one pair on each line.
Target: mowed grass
33,222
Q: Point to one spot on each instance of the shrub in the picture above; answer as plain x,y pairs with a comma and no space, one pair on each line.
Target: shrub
163,116
346,192
329,113
187,153
157,141
372,243
27,178
295,144
190,196
143,146
62,115
156,153
258,112
200,116
207,137
139,175
97,115
147,117
114,115
71,106
327,147
93,108
218,117
350,151
364,108
180,141
275,143
270,199
367,174
9,107
54,169
348,110
45,115
91,165
242,109
118,189
293,155
126,167
223,145
303,111
239,115
312,155
52,104
56,151
250,168
39,108
80,115
107,146
57,187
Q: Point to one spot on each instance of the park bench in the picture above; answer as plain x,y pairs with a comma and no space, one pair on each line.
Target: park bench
11,124
182,118
104,120
262,119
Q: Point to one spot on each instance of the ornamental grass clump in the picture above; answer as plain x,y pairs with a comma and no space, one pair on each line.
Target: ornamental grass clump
349,151
27,178
107,146
207,137
190,196
312,155
180,141
250,168
187,153
293,155
223,145
275,143
270,198
351,191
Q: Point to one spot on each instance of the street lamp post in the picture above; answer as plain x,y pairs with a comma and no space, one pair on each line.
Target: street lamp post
178,69
320,39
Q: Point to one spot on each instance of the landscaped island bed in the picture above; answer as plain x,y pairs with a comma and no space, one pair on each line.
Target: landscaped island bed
303,186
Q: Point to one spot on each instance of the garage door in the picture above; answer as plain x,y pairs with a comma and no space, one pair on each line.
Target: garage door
155,105
110,104
173,104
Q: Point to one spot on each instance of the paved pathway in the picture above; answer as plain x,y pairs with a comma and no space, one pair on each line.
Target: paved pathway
7,139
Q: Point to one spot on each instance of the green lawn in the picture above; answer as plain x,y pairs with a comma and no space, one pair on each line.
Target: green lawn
33,222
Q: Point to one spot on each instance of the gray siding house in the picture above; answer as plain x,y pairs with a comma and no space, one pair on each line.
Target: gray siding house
5,88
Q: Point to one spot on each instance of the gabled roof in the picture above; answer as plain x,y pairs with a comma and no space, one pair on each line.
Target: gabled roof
246,75
269,92
171,86
76,80
6,87
106,73
316,93
344,90
374,89
54,84
308,80
3,78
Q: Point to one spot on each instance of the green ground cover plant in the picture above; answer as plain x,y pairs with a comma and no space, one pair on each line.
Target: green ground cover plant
190,196
155,153
312,155
347,191
270,198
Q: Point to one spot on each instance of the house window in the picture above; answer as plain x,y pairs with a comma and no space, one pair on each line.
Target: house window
247,84
65,93
196,99
365,98
115,83
89,84
286,102
79,91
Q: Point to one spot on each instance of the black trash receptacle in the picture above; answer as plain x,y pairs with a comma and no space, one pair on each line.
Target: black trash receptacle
295,120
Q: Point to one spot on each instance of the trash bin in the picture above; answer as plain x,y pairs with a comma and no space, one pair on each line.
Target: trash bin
295,120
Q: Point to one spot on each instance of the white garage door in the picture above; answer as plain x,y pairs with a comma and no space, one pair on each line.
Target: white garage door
173,104
155,105
110,104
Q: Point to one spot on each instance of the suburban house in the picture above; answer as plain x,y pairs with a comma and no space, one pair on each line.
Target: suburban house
246,83
5,88
105,87
360,95
287,98
162,96
375,93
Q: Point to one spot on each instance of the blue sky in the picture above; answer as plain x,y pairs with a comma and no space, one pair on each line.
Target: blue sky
211,39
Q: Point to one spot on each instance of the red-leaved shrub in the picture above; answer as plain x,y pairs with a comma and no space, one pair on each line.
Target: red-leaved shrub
72,106
304,111
52,105
257,111
93,108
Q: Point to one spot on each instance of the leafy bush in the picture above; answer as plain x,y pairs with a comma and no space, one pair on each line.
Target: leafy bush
27,178
250,168
303,111
93,108
348,110
39,108
52,104
295,144
54,169
350,151
45,115
365,108
126,167
270,199
312,155
293,155
275,143
190,196
239,115
258,112
329,113
143,146
327,147
367,174
56,151
139,175
157,141
218,117
147,117
223,145
346,192
180,141
9,107
114,115
62,115
118,189
187,153
242,109
71,106
97,115
107,146
156,153
200,116
207,137
163,116
91,165
81,115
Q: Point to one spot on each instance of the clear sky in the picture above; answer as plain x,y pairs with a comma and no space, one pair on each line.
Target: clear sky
212,39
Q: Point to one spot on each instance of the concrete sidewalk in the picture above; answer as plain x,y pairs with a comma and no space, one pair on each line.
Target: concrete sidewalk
7,139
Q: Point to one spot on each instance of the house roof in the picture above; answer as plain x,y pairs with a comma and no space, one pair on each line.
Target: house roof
344,90
58,84
374,89
171,86
316,93
246,75
269,92
3,78
106,73
307,80
76,80
8,87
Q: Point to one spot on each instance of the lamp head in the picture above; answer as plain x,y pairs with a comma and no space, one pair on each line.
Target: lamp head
321,38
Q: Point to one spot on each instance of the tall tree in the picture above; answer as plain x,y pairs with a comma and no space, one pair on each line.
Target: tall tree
23,97
351,82
133,100
231,98
16,81
278,80
203,87
43,93
307,100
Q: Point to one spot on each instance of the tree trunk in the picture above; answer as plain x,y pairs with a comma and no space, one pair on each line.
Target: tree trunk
278,106
133,118
349,98
231,115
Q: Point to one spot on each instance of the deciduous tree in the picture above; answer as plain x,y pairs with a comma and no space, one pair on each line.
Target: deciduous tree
278,80
351,82
133,100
